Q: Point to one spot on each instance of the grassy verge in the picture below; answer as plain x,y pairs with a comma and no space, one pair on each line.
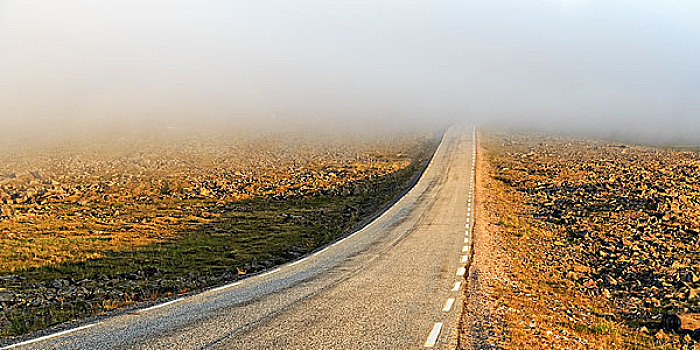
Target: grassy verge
228,241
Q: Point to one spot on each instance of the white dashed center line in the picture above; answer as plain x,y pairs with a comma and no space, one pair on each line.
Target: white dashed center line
461,271
448,305
434,334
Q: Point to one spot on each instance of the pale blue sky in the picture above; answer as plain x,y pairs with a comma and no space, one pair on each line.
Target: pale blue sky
573,64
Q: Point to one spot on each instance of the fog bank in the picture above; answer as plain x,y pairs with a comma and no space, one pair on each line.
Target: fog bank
624,68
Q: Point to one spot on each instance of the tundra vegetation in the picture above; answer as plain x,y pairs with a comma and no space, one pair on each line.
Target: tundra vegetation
94,225
603,240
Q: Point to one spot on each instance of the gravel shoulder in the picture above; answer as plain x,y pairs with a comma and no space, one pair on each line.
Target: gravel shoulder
481,323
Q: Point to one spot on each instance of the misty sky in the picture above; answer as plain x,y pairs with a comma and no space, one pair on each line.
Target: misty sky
623,67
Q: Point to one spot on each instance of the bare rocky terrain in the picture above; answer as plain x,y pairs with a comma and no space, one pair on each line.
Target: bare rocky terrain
95,225
603,242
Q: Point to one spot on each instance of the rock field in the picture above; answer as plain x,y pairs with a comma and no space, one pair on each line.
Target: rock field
626,218
87,228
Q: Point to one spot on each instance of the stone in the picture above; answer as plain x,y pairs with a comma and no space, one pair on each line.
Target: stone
5,211
689,321
671,322
695,334
692,294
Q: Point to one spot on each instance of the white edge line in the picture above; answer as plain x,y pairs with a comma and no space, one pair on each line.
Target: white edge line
464,258
298,261
159,305
434,333
58,334
457,285
226,286
386,212
465,249
270,272
326,248
461,271
47,337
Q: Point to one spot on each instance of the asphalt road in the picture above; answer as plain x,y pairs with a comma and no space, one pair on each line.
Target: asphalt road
385,287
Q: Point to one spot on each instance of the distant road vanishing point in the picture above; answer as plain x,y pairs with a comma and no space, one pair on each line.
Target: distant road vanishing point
395,284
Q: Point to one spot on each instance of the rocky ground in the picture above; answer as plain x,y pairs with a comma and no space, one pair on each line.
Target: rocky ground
88,228
604,242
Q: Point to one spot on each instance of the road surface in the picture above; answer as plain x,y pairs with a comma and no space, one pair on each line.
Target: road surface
392,285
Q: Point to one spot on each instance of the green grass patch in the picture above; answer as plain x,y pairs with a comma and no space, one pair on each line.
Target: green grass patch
244,237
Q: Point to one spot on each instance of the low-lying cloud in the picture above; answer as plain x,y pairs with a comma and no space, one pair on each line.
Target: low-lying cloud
616,68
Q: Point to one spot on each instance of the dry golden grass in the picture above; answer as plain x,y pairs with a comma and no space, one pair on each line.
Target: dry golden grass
47,240
172,190
543,309
83,239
